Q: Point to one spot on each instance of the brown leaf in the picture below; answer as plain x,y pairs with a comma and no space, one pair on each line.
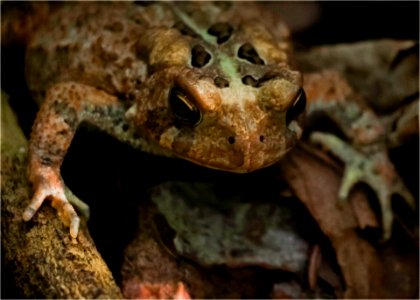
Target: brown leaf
385,72
362,211
317,184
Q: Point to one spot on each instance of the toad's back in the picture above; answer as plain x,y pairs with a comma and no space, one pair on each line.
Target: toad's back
115,46
92,44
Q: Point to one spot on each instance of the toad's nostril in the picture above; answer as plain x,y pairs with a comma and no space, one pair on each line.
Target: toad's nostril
231,140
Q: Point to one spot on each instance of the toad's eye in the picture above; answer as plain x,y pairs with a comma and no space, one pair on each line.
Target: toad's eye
183,108
297,107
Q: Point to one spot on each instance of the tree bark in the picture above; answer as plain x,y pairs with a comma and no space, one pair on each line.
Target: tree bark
44,259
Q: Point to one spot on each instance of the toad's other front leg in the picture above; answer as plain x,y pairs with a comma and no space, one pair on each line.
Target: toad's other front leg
365,154
371,167
65,107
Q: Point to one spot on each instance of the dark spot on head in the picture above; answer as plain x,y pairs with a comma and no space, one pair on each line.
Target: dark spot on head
184,29
220,82
114,27
231,140
249,80
222,31
200,57
125,127
248,52
262,138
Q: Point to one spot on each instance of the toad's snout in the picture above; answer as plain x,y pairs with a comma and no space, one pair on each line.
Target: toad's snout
249,148
258,150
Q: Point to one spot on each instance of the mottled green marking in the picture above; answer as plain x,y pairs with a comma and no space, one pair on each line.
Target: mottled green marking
229,67
202,32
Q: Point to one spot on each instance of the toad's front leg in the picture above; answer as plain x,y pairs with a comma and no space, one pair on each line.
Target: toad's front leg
65,107
364,154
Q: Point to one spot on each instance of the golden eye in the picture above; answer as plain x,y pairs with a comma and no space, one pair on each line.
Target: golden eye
297,107
183,108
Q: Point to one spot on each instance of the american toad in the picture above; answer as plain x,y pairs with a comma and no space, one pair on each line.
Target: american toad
199,81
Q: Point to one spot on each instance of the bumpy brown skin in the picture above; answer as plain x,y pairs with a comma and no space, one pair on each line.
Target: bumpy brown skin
114,65
237,107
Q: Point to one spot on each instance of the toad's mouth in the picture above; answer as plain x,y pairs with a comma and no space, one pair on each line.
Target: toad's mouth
240,164
239,170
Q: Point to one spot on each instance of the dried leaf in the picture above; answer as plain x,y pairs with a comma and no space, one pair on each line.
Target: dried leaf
317,186
385,72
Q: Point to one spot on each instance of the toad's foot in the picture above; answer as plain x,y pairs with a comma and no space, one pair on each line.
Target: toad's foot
373,168
49,185
81,206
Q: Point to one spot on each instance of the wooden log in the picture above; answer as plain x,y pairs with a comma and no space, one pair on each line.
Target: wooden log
44,259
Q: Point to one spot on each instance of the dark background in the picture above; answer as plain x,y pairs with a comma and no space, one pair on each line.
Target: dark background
342,21
101,156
